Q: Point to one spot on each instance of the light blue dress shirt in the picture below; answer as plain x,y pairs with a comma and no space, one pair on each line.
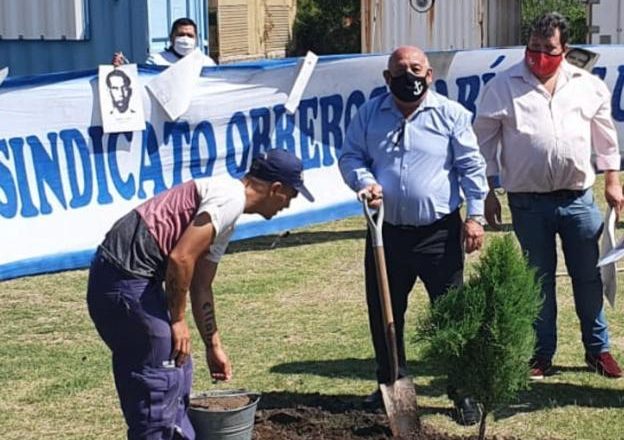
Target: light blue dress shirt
421,162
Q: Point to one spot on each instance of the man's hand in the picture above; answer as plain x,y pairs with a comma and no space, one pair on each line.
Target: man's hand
473,236
181,342
493,211
373,193
218,363
613,192
118,59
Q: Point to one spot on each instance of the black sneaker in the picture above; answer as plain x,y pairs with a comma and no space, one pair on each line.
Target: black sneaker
374,400
467,411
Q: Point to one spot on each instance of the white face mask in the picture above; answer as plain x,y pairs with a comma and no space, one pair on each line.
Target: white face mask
183,45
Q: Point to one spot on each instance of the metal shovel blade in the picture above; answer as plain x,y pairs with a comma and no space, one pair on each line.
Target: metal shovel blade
399,398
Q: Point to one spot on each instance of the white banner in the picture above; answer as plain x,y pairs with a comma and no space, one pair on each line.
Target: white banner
63,182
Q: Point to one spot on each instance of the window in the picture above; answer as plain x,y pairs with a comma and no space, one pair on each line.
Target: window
43,19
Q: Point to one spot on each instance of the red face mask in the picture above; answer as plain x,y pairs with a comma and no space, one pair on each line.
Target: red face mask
542,64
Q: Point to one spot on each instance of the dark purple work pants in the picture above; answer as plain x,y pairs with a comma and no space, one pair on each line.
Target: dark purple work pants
131,316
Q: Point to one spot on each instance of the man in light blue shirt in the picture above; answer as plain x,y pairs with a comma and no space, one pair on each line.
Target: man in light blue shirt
416,150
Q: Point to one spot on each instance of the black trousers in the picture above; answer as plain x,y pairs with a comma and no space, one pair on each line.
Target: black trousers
432,253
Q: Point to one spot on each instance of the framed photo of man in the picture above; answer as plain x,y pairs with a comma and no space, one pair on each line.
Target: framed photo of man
121,103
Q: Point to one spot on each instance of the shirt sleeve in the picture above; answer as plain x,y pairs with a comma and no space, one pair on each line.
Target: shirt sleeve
604,134
159,58
219,246
224,211
469,163
354,161
223,218
488,127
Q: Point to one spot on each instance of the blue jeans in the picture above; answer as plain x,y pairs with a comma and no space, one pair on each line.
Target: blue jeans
132,317
537,218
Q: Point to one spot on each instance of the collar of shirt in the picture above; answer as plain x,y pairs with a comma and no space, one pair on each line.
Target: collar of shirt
172,51
566,73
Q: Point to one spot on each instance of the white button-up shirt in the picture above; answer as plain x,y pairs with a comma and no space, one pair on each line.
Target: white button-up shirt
537,142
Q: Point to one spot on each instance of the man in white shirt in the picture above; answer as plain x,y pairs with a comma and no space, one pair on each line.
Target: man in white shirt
547,115
182,41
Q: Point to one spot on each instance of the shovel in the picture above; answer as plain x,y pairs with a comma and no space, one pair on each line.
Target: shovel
399,395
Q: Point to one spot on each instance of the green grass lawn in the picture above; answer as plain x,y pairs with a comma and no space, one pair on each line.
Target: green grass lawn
293,320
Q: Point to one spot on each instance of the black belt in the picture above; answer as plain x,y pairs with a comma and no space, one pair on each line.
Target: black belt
559,194
441,220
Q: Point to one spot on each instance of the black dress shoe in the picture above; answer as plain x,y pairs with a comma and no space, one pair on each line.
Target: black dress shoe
467,411
373,400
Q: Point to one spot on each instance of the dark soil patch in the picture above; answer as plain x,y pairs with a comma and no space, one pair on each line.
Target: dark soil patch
331,418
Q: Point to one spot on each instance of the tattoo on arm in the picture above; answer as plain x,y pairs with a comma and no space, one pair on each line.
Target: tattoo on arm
208,321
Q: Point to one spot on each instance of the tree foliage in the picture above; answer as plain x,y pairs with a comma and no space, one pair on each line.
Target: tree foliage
326,27
574,10
482,334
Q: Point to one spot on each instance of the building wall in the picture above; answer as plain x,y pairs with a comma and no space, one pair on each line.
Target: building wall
249,29
37,20
448,25
504,23
606,19
162,13
111,26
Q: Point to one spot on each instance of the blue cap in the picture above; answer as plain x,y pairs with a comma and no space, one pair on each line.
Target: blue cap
280,166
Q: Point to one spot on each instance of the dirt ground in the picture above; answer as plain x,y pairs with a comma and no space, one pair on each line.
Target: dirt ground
220,403
321,418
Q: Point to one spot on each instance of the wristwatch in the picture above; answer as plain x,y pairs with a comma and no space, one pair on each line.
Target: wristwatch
477,219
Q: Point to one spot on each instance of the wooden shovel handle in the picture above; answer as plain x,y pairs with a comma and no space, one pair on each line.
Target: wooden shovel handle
375,226
386,311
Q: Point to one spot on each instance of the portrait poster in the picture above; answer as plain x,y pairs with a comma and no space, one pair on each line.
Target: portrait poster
121,102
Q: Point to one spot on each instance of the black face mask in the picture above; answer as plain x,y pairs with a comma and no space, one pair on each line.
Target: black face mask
408,87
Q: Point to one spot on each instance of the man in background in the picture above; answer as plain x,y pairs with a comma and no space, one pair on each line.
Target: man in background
182,41
548,116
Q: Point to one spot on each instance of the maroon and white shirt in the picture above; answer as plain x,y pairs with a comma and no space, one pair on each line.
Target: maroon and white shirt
140,242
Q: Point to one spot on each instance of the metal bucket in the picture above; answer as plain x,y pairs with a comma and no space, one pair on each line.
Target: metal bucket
234,424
